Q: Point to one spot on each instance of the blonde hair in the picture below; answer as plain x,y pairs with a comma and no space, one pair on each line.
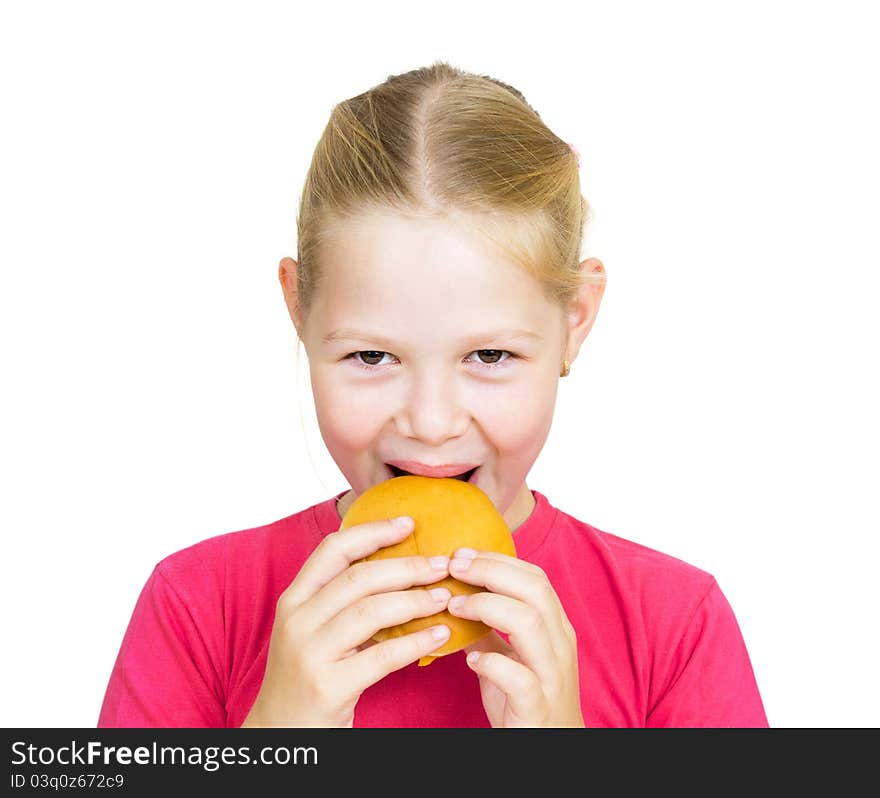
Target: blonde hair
440,142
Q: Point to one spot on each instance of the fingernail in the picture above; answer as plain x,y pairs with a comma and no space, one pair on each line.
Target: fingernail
439,593
465,553
473,657
439,562
402,522
455,602
440,632
460,563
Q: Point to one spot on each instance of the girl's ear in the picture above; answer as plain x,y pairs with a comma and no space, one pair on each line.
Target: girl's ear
583,309
287,277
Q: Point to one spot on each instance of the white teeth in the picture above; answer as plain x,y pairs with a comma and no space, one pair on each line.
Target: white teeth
464,477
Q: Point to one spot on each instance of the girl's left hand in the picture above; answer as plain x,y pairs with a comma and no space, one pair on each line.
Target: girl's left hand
533,681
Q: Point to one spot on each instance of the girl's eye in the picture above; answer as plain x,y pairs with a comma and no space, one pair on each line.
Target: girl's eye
494,356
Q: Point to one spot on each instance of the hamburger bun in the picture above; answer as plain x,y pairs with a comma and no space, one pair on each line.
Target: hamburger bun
448,513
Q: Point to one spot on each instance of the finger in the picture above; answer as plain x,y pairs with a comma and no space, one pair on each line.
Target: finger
370,578
521,686
508,576
492,642
469,553
336,552
368,666
525,626
361,620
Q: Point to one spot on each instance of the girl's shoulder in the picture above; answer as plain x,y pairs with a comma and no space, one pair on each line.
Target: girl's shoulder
252,550
630,561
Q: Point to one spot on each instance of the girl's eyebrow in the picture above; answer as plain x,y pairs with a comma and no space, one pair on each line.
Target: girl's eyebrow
357,335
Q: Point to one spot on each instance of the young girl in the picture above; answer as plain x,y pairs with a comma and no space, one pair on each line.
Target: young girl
439,296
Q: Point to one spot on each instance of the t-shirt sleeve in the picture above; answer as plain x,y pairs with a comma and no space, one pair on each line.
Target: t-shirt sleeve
712,683
166,673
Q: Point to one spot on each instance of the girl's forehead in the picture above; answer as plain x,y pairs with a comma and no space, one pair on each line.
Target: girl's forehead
431,287
424,272
410,257
452,311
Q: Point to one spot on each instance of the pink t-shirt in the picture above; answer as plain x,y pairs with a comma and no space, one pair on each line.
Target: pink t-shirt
658,644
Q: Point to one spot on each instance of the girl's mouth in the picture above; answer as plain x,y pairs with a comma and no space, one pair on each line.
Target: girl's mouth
467,476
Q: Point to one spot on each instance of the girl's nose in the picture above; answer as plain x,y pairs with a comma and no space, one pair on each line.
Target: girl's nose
433,412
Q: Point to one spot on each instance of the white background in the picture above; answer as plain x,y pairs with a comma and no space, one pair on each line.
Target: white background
724,409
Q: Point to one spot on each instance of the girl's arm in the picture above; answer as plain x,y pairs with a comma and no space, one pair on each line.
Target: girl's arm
711,681
166,673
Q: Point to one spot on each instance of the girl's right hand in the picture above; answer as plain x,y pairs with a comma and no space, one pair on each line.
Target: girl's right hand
319,660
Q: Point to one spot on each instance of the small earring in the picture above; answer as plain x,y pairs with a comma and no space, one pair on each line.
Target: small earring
565,369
